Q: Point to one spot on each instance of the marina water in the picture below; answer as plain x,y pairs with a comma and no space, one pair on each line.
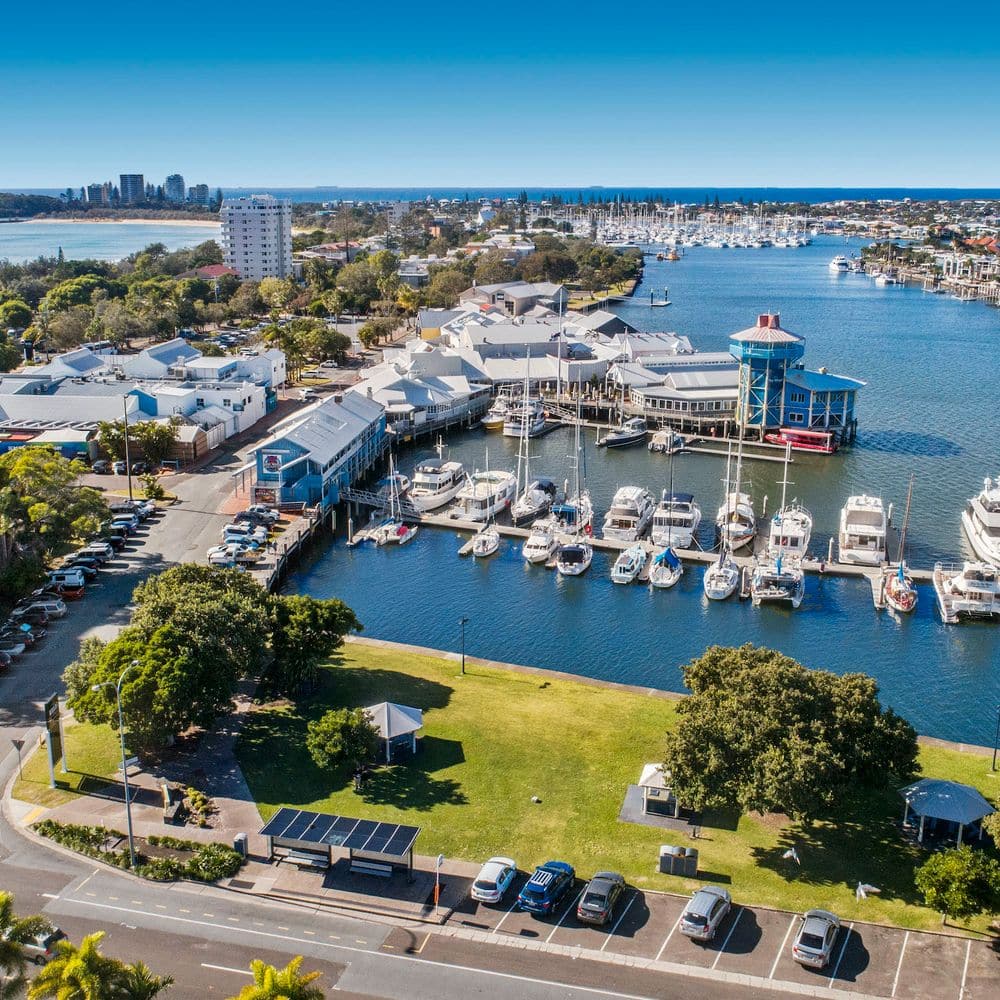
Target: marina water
930,408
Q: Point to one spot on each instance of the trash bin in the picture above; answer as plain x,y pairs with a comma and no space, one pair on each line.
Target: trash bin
690,862
241,845
665,858
672,859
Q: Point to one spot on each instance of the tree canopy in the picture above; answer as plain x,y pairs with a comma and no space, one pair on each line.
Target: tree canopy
762,733
271,983
959,883
342,735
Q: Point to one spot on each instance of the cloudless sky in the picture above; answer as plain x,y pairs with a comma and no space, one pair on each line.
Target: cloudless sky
550,93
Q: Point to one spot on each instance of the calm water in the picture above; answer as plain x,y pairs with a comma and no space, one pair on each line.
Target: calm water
929,408
22,241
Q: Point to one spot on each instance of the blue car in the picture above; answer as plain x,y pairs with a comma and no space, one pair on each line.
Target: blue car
543,891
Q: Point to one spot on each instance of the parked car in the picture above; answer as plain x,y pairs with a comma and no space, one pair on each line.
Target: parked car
130,522
546,887
12,648
307,395
68,577
39,601
600,897
493,880
141,468
268,513
97,549
119,468
813,944
102,467
704,912
34,617
80,566
43,947
85,562
244,532
115,537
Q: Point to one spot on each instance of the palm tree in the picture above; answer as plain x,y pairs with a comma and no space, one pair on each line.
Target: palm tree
270,983
137,982
78,973
15,932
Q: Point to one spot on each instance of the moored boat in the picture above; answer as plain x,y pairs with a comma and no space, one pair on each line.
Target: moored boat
675,520
775,581
971,590
435,484
574,558
633,431
721,578
666,570
630,514
863,526
981,522
629,564
524,416
541,544
486,542
486,494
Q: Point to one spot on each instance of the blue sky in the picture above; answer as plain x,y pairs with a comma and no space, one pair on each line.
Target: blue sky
548,93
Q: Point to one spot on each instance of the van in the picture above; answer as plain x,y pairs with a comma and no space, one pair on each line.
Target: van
67,577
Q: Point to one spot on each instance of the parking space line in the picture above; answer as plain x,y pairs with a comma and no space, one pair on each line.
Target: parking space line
843,948
669,936
739,913
572,906
784,941
899,964
611,933
505,916
965,970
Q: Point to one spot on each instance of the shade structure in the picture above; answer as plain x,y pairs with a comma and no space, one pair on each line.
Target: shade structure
948,801
394,723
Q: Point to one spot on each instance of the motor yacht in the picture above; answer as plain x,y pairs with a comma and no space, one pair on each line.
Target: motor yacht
721,578
630,514
525,416
540,546
435,484
863,526
631,432
666,442
777,581
486,541
629,564
790,532
666,570
494,418
676,520
486,494
840,264
574,558
981,522
971,590
536,500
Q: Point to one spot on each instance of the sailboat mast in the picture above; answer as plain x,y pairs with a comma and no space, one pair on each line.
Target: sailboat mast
906,522
784,478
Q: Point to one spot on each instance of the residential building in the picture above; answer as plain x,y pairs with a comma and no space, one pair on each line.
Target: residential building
131,189
199,194
257,236
99,194
173,189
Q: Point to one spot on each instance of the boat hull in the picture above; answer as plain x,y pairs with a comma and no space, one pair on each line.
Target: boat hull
979,542
433,501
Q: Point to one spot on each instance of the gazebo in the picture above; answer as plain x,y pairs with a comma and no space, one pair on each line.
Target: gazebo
944,802
397,726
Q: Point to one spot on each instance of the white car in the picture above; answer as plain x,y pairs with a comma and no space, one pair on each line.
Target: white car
493,880
244,532
813,945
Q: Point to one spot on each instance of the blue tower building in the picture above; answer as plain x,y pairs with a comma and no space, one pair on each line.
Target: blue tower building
778,394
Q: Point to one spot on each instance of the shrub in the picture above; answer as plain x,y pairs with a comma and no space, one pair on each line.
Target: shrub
212,862
160,869
151,487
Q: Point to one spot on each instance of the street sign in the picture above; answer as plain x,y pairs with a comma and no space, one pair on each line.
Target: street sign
53,735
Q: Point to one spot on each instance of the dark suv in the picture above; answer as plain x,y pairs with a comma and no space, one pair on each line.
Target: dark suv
543,891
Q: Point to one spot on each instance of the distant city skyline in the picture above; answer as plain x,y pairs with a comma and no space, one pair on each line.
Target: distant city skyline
553,95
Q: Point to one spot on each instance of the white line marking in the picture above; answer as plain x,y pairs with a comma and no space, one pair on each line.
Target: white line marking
965,970
49,895
784,941
225,968
739,913
572,906
611,933
669,936
843,948
899,964
505,916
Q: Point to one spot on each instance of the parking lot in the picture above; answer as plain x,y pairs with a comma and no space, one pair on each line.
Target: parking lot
867,958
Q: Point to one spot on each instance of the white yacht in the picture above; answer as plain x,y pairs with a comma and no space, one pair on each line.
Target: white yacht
631,432
435,484
775,581
791,524
863,528
971,590
736,521
495,416
393,530
629,564
630,514
535,500
486,494
524,416
721,578
981,521
676,520
667,569
486,541
574,558
540,546
840,264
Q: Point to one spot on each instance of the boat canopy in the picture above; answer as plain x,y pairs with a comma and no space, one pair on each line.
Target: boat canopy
667,556
687,498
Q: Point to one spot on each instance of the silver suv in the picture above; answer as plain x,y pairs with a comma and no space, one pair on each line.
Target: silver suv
813,944
705,912
41,949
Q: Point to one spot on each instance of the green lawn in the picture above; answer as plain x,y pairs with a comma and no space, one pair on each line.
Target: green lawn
494,738
91,752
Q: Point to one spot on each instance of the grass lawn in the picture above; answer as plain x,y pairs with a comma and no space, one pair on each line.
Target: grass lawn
495,738
91,752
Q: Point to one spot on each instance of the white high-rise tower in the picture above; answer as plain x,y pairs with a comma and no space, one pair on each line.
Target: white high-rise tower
257,236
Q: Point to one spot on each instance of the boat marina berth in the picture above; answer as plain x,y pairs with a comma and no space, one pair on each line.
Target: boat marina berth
630,514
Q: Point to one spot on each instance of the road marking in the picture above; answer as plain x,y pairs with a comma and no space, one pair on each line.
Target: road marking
357,941
572,906
184,911
965,970
739,913
423,944
899,964
91,893
308,932
33,815
669,936
226,968
840,957
236,920
611,933
115,898
137,902
784,941
390,947
203,913
505,916
50,895
333,937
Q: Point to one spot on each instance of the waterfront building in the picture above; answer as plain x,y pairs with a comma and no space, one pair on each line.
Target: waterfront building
199,194
99,194
518,297
131,189
173,189
776,390
257,236
318,452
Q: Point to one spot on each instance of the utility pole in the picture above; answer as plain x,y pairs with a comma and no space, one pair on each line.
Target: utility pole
128,461
463,621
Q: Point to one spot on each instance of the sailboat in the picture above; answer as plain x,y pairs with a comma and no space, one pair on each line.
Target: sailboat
575,556
736,520
535,496
723,576
900,591
393,530
487,540
667,569
577,510
778,577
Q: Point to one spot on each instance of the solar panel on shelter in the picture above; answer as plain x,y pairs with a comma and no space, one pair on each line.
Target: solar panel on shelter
364,835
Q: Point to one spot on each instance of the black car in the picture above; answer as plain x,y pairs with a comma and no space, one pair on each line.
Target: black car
600,897
102,467
116,539
140,468
85,563
89,572
252,517
5,660
35,617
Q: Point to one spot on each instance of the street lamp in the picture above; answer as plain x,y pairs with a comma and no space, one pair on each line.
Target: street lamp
463,621
121,732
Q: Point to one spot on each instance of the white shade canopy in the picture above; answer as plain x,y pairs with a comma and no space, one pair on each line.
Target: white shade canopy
393,720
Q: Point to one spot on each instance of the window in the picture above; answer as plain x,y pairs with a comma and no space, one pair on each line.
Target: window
796,418
797,397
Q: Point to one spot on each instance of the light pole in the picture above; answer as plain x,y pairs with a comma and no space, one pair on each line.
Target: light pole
121,732
463,621
128,461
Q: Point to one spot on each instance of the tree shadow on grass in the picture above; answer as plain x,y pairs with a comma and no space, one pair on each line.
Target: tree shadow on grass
406,786
360,686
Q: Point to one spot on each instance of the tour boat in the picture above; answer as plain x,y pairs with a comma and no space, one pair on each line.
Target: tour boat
821,442
863,527
631,432
840,264
721,578
574,558
486,494
486,541
666,570
971,590
629,564
676,520
981,522
541,544
630,514
898,587
776,581
435,484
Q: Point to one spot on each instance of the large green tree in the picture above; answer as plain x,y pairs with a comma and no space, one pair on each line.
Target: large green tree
760,732
959,883
342,735
15,932
14,313
270,983
306,632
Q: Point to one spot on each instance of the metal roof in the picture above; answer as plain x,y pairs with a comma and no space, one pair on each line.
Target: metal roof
395,720
947,800
363,835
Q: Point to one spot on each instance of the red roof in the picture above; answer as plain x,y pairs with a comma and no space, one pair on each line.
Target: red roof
214,271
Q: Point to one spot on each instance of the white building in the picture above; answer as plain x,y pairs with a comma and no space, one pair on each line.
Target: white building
257,236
